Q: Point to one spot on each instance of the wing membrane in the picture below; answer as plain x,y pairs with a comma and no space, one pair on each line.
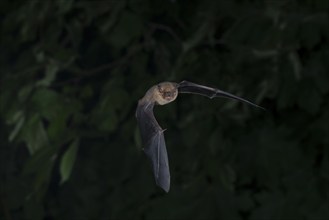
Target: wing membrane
189,87
154,144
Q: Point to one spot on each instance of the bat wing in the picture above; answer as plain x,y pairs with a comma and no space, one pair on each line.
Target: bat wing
189,87
154,144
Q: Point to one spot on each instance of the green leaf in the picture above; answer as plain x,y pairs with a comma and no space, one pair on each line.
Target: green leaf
68,160
17,128
47,102
34,134
40,159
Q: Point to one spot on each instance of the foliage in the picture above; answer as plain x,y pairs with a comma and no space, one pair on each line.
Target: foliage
72,72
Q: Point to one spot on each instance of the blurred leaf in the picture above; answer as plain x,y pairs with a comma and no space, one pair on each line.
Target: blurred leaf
47,102
56,109
296,64
39,159
129,27
112,108
34,134
68,161
17,129
39,166
25,92
15,117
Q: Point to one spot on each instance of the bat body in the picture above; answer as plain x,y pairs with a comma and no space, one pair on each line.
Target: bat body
151,132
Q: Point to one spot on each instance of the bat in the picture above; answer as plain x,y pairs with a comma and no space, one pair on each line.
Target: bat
153,135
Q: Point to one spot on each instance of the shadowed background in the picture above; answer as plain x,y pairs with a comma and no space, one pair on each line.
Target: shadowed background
71,75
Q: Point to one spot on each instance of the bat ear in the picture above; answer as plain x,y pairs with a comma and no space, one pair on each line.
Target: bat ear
179,84
182,83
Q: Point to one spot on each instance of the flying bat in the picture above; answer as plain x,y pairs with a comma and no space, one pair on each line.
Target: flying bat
151,132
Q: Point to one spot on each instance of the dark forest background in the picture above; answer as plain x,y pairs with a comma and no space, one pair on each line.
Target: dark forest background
72,72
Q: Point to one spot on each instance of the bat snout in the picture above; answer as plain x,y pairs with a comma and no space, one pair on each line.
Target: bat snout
167,95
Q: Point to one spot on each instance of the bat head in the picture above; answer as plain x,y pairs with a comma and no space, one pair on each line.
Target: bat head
166,92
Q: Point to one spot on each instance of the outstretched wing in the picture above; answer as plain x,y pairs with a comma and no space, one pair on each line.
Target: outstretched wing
154,144
189,87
